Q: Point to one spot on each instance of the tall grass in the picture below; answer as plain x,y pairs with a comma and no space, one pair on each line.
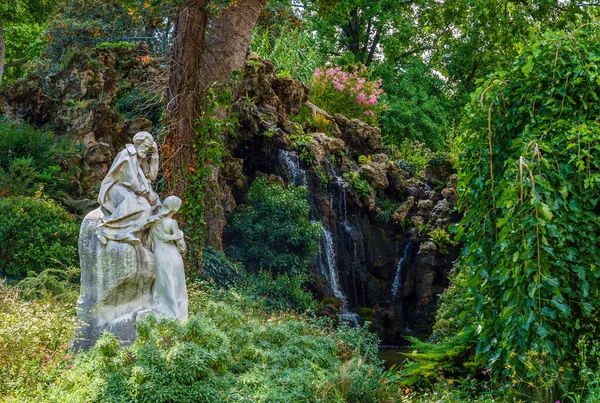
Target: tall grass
293,50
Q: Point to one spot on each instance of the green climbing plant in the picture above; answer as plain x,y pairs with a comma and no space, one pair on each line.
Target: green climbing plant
530,173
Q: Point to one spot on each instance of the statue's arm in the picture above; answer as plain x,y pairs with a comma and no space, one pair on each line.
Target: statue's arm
174,229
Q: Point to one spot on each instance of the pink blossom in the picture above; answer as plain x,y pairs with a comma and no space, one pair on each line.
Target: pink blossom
369,113
69,366
339,87
361,98
68,358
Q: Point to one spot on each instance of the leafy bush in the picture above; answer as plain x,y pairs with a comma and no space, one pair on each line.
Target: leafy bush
30,159
35,234
216,267
272,231
301,142
441,238
282,292
530,173
33,340
361,186
413,154
228,351
352,94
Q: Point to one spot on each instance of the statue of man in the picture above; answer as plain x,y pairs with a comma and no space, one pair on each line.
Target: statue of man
126,197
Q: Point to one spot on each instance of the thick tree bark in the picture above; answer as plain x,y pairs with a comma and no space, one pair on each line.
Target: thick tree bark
2,51
183,93
227,45
228,40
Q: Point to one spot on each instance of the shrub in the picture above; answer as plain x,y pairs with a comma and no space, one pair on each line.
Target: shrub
272,231
33,340
282,292
361,186
216,267
351,94
35,234
30,159
229,350
413,155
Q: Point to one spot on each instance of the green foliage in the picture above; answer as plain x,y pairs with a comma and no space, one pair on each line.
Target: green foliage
361,186
33,340
451,357
212,130
23,22
363,160
35,235
141,104
441,238
281,292
228,351
414,153
216,267
61,283
302,142
419,106
113,45
30,159
273,231
292,49
388,208
85,25
529,174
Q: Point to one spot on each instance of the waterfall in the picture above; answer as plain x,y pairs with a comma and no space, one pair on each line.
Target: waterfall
341,187
329,270
397,284
291,163
327,247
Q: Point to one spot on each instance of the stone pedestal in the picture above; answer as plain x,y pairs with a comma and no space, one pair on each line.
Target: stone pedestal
116,285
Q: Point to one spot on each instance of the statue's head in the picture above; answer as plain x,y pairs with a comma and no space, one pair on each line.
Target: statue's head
143,142
170,205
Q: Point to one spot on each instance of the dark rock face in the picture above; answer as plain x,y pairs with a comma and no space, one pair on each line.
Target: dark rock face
360,138
388,268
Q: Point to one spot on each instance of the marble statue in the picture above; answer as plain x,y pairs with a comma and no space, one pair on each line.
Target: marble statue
169,295
130,250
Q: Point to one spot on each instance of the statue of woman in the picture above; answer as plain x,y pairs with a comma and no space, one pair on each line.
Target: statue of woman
169,295
126,197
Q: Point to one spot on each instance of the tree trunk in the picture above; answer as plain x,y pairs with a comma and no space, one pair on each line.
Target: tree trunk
228,40
227,45
183,93
2,51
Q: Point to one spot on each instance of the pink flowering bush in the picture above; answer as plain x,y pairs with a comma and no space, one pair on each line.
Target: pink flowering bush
351,94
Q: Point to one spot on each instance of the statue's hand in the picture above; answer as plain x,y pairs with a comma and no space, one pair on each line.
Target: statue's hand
154,148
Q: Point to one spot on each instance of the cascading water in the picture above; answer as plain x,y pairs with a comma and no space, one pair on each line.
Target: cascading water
291,163
328,260
397,284
329,271
339,189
